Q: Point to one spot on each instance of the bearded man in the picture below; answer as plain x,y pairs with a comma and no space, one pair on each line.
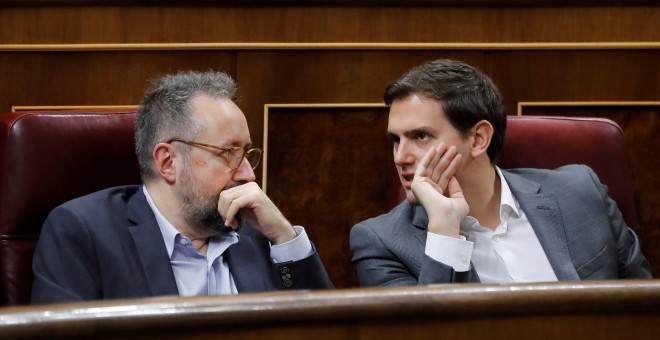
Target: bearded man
199,224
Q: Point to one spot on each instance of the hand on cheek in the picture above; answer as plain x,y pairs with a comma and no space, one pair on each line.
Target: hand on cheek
437,190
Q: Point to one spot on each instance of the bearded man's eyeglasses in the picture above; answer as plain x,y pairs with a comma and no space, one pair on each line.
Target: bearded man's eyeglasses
233,156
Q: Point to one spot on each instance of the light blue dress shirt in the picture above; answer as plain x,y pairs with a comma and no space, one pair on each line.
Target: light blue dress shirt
197,274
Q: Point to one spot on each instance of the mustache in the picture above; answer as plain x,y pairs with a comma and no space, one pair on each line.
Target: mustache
233,185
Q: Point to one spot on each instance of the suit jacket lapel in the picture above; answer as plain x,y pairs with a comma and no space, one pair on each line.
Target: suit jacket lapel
150,247
544,215
245,270
421,222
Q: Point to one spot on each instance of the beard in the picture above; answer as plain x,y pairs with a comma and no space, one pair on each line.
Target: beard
200,207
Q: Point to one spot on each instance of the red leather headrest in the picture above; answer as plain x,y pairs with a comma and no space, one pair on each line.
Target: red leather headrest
550,142
46,159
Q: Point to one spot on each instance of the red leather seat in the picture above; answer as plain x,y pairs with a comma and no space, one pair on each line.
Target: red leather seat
48,158
550,142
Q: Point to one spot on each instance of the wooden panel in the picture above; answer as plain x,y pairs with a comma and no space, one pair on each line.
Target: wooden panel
640,125
576,76
310,75
268,77
573,310
322,76
452,3
185,24
93,78
329,168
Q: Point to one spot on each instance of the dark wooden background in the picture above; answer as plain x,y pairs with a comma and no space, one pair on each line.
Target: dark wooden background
70,53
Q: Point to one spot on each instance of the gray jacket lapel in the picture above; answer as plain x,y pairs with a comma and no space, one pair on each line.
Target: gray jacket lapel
421,222
150,247
543,213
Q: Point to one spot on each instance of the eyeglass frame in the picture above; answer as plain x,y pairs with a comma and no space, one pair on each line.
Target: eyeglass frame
230,150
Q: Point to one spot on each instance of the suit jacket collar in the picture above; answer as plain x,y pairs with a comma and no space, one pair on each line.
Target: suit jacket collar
542,211
150,248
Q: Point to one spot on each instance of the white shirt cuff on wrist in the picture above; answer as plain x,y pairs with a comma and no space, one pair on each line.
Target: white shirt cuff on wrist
454,252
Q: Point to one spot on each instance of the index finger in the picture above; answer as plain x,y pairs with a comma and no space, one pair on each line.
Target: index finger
432,155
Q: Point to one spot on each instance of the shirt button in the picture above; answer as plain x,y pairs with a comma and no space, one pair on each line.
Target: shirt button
496,239
183,241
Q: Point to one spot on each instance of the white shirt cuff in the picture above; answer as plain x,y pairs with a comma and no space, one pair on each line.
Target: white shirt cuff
454,252
294,250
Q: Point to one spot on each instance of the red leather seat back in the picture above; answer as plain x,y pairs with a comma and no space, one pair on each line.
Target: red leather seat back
550,142
46,159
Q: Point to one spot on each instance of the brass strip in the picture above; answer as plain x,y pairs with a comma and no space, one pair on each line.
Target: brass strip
264,163
267,107
585,103
637,45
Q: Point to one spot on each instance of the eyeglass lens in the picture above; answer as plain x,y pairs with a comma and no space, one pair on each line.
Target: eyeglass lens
252,157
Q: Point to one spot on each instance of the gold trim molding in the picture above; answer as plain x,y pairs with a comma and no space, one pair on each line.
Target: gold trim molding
641,45
267,107
521,105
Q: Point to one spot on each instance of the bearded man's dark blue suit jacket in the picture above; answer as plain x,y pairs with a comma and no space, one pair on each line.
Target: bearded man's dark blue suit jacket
108,245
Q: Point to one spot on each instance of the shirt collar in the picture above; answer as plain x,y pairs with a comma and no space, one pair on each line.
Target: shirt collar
217,244
166,228
508,204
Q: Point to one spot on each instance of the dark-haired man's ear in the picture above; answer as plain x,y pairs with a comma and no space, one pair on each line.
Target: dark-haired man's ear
482,134
163,155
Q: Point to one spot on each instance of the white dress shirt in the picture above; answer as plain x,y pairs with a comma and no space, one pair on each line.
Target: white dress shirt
510,253
196,274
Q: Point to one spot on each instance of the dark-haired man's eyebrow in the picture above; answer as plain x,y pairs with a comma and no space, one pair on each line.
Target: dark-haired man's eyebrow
414,133
392,136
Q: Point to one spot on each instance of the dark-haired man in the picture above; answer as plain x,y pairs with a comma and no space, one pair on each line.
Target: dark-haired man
466,220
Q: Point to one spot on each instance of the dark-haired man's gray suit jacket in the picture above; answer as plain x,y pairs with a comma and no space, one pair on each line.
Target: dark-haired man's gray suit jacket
107,245
578,225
